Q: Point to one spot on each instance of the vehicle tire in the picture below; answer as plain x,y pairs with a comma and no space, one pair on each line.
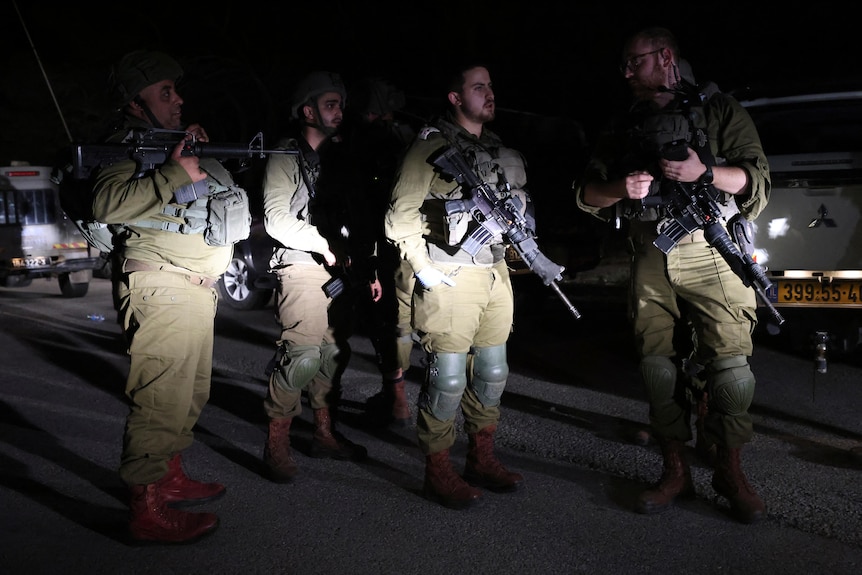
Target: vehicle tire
72,289
235,288
16,281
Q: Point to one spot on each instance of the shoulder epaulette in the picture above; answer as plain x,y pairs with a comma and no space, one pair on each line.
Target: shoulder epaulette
427,131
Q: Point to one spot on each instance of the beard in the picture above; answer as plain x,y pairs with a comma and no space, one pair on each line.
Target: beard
484,114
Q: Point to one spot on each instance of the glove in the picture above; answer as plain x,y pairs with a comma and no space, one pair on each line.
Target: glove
430,277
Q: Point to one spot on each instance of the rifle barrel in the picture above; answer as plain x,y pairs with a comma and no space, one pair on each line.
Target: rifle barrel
566,301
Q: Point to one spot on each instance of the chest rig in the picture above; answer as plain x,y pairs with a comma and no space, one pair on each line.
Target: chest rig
666,133
502,168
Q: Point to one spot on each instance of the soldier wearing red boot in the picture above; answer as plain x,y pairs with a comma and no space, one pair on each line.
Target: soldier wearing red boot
462,299
680,137
166,295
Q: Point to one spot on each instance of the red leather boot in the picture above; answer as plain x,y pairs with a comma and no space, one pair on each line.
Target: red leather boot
152,521
444,486
675,480
177,487
277,454
484,469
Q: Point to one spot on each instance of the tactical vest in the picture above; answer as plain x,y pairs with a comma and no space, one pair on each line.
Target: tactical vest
501,167
667,132
223,216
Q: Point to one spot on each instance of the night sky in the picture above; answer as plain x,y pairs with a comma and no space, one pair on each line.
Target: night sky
555,59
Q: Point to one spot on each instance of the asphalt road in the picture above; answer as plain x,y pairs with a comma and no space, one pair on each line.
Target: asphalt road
570,414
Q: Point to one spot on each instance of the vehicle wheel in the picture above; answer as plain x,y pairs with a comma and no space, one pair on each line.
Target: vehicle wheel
72,289
15,281
235,288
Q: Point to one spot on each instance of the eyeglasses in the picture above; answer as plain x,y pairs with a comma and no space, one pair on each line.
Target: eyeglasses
634,62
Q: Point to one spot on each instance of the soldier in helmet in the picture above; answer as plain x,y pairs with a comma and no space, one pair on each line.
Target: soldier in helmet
166,297
680,134
378,140
311,210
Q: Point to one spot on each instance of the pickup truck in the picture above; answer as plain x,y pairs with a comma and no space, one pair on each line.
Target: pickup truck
37,239
809,236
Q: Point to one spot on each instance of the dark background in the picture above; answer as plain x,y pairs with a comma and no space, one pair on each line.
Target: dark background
556,60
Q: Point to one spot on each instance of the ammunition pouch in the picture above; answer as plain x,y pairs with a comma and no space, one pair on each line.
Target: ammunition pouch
97,234
228,218
223,218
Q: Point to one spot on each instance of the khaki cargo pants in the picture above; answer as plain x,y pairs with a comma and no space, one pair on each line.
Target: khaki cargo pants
477,312
169,324
720,308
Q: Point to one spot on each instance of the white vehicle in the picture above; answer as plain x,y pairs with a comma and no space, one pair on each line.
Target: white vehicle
809,236
37,239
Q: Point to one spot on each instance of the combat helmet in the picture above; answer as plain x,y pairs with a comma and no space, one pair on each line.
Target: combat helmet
137,70
377,96
312,86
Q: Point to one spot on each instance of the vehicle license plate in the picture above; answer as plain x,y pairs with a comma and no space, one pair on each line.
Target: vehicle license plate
34,262
815,293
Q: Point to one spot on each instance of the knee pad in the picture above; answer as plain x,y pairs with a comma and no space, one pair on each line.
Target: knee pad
332,358
730,384
659,375
490,372
447,380
298,365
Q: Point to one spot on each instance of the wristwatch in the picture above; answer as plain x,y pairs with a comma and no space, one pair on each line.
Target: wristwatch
706,178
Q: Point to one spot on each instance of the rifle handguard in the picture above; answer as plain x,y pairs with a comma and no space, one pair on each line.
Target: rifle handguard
548,270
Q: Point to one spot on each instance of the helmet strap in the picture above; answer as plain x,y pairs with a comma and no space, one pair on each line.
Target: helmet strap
325,130
140,102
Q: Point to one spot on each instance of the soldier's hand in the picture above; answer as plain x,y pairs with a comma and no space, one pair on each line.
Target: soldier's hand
329,257
189,162
198,132
430,277
688,170
637,185
376,290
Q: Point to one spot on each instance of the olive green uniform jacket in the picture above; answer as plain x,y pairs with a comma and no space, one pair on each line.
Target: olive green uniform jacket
167,306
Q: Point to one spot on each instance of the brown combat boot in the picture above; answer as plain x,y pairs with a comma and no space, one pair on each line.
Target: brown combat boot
483,469
389,407
400,408
277,454
152,521
444,486
705,450
729,481
675,480
326,443
176,487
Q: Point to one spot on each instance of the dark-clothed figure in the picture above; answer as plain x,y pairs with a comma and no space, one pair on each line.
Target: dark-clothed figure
680,134
321,229
166,297
378,141
462,303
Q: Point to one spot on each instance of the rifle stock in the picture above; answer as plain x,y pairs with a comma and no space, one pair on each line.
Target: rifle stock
497,217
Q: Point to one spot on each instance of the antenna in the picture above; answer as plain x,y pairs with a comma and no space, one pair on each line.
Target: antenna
44,75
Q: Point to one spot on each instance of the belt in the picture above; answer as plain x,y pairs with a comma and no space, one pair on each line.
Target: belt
196,279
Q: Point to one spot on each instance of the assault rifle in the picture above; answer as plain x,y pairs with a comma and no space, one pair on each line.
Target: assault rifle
497,217
153,147
692,208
